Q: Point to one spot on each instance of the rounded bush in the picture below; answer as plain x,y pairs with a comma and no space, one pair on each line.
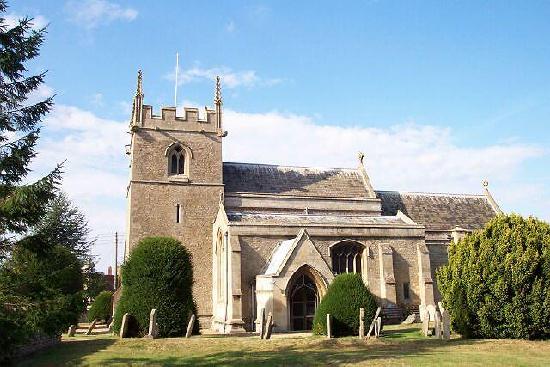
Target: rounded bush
345,296
158,274
102,307
497,281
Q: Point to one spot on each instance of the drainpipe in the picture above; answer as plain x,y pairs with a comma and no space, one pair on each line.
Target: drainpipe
226,242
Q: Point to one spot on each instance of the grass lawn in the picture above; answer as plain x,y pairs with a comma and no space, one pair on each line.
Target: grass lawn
401,346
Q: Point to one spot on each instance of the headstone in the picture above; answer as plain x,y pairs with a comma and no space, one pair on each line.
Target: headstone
190,326
111,326
440,305
124,325
431,309
72,330
262,323
378,326
91,327
373,323
153,326
410,319
437,332
361,323
329,330
446,321
426,323
268,326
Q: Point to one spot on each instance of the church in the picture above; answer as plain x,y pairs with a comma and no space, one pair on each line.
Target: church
274,237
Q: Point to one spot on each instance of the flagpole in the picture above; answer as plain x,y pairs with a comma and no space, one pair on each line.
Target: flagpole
176,83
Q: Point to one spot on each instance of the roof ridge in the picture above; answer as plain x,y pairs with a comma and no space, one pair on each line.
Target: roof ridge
292,167
419,193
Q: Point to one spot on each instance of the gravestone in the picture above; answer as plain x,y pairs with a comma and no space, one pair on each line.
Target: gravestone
153,327
437,332
190,326
373,323
446,321
378,326
262,323
426,322
410,319
329,331
268,326
72,330
124,325
361,323
91,327
111,326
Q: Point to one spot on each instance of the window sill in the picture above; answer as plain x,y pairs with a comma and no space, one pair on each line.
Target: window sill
178,178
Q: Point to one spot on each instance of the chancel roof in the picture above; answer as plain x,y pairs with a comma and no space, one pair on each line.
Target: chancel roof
300,181
439,211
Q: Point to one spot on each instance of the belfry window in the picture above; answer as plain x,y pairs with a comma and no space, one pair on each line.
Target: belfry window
177,161
346,257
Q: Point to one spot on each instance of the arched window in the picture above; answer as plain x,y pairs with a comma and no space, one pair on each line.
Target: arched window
177,161
346,257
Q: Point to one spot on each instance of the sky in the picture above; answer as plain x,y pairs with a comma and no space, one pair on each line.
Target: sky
439,95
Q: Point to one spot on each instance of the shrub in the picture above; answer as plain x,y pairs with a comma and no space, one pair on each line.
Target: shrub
158,274
102,307
497,281
40,293
344,297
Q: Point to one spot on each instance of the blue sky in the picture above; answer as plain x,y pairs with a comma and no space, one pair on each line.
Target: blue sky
440,95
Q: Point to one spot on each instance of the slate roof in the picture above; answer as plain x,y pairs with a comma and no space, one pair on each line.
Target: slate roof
310,219
302,181
439,211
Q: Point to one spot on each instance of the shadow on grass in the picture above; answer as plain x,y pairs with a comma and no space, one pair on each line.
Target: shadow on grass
325,352
68,353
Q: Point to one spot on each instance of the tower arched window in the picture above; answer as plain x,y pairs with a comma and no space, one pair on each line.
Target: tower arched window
177,161
346,257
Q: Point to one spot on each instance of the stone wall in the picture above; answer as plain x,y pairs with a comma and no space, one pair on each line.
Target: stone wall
256,252
438,257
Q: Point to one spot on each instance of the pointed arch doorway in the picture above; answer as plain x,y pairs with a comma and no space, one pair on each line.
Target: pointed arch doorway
305,291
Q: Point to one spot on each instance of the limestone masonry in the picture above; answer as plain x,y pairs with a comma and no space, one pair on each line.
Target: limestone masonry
273,237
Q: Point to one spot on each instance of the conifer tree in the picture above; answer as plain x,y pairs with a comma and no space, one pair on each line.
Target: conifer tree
21,204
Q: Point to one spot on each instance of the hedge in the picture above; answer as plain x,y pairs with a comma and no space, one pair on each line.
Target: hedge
158,274
345,296
497,281
102,307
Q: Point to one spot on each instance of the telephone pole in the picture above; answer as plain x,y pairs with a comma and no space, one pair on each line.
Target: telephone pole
116,260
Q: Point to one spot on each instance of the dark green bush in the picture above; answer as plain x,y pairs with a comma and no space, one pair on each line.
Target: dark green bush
102,307
497,281
158,274
40,293
345,296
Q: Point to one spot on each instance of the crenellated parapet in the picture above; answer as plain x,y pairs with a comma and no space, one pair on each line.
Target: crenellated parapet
191,121
143,116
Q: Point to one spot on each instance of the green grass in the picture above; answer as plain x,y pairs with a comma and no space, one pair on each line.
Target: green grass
401,346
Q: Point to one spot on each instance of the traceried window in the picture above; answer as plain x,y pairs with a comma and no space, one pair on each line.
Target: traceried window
346,257
177,161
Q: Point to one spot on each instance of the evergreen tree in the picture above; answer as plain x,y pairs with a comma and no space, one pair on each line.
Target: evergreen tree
64,224
21,205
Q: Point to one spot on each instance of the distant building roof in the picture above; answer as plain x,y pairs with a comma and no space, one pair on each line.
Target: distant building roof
301,181
439,211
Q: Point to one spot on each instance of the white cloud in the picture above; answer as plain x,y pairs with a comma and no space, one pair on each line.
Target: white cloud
96,168
230,78
90,14
406,157
403,157
38,21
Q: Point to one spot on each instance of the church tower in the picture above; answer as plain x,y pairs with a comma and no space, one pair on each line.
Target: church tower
176,182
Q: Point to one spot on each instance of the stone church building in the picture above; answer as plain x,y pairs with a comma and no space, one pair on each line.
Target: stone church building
274,237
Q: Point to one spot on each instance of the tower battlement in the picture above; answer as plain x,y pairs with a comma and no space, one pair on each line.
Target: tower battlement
191,121
169,120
